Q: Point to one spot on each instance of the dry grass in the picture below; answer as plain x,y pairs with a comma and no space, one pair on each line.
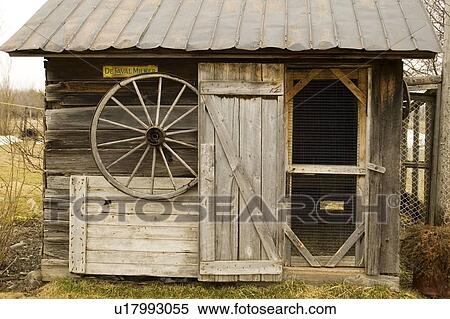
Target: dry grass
29,201
96,289
11,188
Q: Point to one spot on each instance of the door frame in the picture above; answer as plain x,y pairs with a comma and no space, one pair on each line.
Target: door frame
363,94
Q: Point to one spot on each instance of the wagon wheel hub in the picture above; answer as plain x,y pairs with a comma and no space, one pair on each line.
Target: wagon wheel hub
155,136
158,140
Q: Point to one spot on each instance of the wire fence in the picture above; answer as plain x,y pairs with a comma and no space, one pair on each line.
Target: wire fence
416,157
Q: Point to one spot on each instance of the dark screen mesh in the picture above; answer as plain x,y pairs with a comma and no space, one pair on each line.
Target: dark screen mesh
325,132
322,227
325,125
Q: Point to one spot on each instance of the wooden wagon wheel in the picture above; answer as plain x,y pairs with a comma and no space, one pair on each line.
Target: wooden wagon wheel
155,136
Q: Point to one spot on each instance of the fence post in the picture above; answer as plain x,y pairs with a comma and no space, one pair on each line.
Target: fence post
442,211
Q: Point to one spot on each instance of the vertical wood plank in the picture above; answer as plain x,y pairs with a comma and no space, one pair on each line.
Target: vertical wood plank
250,153
436,109
226,187
361,190
288,131
374,178
270,157
281,168
206,192
372,232
234,73
78,224
385,138
391,92
206,136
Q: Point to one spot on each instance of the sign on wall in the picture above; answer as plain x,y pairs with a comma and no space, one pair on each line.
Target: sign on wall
117,71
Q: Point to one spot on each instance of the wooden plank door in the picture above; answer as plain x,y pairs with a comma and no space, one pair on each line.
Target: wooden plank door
241,171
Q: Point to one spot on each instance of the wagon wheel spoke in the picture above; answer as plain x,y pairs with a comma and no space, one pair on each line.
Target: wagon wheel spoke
181,117
155,134
122,125
175,102
180,159
168,168
137,166
122,141
123,107
181,132
158,107
138,92
126,155
152,178
181,143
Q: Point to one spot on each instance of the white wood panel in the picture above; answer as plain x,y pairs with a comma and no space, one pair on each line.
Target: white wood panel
112,193
260,267
157,245
142,232
133,237
161,183
141,257
133,207
130,269
77,236
150,220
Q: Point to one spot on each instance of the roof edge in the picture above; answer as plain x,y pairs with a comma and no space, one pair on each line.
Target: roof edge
337,53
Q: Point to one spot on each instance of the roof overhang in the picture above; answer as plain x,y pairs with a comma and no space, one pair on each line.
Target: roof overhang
263,54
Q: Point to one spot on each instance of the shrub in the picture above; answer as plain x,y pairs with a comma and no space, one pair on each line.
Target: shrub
426,251
11,186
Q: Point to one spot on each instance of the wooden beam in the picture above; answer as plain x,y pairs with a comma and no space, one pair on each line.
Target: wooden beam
247,267
346,261
327,169
237,88
300,247
206,193
435,158
78,225
423,80
359,231
302,84
341,76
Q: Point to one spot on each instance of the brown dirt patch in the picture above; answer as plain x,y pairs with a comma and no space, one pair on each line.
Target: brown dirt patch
23,257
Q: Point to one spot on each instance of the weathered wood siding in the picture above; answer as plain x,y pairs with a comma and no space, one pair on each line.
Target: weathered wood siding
384,145
74,88
128,236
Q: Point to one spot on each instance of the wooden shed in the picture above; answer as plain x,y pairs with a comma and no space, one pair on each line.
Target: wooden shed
224,140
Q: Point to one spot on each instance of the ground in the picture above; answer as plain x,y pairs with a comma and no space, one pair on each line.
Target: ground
24,257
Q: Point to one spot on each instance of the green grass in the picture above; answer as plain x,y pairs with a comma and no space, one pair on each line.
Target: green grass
99,289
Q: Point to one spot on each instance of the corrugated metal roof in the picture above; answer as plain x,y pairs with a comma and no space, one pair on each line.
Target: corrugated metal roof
296,25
